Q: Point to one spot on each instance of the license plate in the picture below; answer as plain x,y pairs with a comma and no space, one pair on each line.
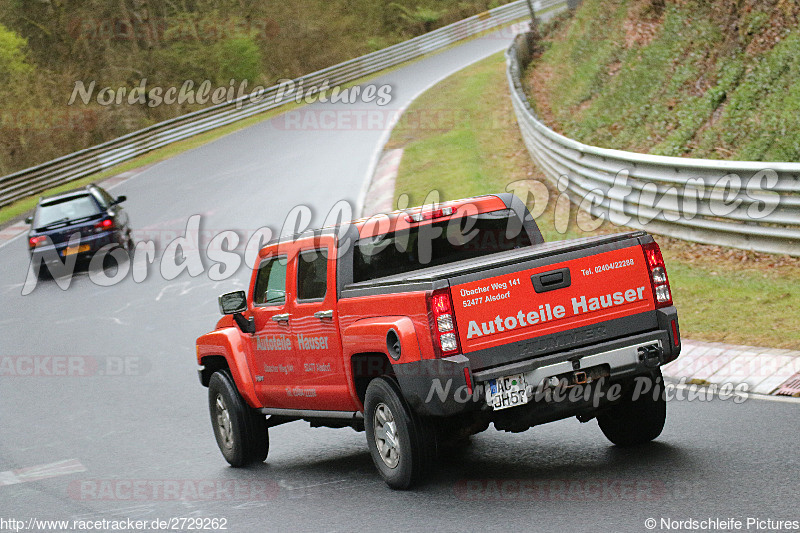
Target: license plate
505,392
76,250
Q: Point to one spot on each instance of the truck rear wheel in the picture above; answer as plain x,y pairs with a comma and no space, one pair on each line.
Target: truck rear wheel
636,420
400,442
241,431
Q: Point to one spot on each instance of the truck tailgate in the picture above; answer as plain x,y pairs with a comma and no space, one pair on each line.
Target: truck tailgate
524,303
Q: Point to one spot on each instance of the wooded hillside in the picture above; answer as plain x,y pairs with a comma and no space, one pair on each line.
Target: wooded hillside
46,46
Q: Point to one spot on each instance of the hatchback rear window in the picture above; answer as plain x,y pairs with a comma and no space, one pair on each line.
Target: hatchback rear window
73,208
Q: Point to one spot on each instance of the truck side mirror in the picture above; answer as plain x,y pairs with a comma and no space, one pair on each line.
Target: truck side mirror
28,220
235,303
232,303
120,199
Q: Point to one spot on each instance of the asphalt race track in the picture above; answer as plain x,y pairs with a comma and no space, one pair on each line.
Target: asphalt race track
127,433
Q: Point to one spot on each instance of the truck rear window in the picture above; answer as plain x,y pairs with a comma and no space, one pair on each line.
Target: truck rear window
436,244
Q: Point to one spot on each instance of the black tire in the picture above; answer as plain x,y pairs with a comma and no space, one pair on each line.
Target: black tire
455,445
451,438
241,431
636,421
407,453
110,262
44,273
129,245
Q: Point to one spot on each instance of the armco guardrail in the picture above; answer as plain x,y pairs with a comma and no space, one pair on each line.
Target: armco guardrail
741,204
100,157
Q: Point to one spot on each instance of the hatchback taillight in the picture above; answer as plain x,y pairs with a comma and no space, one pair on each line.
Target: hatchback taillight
33,241
443,325
658,275
104,225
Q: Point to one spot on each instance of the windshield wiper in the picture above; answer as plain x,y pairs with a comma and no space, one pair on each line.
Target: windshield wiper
59,221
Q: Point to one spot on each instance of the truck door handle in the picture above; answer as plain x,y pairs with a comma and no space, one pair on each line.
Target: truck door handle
552,280
324,314
284,317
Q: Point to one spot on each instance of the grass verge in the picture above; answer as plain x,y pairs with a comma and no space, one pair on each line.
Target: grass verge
460,138
697,78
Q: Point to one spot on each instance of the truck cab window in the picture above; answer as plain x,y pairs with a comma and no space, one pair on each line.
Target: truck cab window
312,275
439,243
270,286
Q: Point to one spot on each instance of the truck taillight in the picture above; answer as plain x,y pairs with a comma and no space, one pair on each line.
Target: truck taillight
33,241
431,214
658,275
443,326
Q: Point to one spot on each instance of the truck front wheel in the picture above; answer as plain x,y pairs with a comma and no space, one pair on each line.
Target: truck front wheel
636,420
400,442
241,431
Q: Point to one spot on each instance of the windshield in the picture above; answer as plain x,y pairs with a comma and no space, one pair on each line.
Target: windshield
437,244
72,208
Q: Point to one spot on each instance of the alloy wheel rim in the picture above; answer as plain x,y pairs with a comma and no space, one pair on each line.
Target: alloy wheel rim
224,423
385,429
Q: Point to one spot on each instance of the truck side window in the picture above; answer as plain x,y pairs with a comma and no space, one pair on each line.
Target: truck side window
312,275
270,286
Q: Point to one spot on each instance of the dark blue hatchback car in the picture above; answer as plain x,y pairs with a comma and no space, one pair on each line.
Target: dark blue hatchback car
90,212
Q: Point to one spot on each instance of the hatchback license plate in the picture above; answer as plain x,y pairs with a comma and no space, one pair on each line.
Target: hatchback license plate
76,250
507,391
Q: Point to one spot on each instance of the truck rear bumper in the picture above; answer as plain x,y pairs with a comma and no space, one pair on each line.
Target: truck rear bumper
624,358
449,386
620,362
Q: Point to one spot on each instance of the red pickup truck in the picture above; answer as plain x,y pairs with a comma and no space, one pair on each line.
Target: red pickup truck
422,327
